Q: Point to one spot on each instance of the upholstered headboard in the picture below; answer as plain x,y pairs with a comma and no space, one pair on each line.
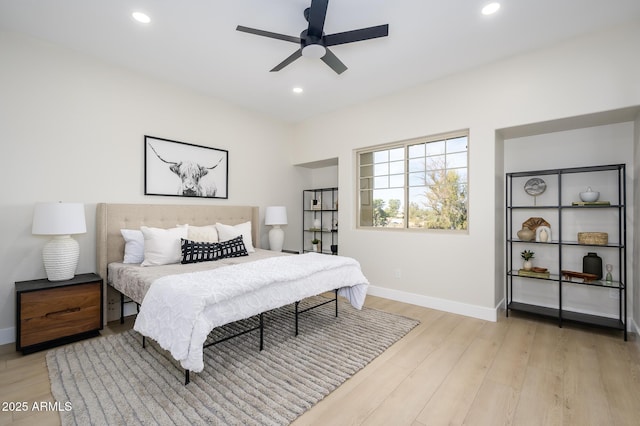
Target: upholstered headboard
111,218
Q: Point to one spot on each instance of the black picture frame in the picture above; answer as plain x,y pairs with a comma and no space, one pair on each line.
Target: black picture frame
182,169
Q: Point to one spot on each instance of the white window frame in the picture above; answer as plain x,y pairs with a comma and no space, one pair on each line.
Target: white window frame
369,179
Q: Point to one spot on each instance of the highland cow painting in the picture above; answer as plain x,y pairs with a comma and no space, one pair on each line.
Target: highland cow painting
184,170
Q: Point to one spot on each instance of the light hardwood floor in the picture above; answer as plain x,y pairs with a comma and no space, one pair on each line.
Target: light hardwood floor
449,370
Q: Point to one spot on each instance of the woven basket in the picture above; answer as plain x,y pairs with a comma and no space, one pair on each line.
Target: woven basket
595,238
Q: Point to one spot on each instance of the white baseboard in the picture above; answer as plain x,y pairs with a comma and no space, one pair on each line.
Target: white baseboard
474,311
7,335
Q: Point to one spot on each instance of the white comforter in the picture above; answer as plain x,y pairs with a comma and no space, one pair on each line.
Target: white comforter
179,311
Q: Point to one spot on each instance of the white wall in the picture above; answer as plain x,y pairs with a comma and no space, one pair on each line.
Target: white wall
460,272
72,129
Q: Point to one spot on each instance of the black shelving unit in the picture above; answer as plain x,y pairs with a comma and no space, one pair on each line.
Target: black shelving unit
564,211
320,219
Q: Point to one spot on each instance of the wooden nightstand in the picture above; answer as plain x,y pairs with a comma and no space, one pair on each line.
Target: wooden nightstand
54,313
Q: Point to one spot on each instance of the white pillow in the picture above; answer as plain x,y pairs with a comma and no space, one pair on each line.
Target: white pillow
162,246
203,234
133,245
228,232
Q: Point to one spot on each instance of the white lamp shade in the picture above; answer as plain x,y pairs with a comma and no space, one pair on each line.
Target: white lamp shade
275,215
58,219
61,253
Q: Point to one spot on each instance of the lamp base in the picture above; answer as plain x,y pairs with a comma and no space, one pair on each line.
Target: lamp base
276,238
60,257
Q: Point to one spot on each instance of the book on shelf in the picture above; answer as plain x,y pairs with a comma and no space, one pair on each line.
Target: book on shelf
525,273
591,203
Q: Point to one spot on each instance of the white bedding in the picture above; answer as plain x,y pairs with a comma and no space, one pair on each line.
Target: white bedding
179,311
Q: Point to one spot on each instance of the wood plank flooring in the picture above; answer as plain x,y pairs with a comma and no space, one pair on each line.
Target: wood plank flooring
450,370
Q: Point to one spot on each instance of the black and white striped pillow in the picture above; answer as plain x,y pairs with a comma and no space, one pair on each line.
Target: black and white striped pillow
196,251
233,248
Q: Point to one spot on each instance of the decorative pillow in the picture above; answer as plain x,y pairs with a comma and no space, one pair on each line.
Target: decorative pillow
162,246
227,232
232,248
197,251
207,233
133,245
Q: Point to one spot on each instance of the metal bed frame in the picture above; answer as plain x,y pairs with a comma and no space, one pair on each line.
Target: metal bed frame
260,326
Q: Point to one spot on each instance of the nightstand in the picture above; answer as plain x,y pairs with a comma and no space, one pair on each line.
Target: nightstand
54,313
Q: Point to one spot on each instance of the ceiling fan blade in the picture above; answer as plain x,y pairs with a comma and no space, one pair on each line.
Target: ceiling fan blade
268,34
356,35
295,55
332,60
317,13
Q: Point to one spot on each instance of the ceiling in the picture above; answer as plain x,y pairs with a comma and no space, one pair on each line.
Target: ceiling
194,43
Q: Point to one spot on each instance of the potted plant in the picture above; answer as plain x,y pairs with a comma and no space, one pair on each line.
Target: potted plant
527,255
317,245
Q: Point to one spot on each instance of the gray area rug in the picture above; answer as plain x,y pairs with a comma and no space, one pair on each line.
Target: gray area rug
113,380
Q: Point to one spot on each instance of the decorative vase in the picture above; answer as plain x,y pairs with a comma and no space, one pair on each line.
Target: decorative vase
317,224
526,234
527,265
319,247
334,248
592,264
609,268
544,236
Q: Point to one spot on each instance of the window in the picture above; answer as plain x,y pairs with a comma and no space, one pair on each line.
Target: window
417,184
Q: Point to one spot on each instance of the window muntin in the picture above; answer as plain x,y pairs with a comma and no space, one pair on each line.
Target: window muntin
418,184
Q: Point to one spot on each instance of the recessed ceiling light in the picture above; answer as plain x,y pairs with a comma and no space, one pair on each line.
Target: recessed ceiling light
141,17
491,8
297,90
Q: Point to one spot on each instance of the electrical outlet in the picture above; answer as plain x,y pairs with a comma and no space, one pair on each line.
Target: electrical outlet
614,294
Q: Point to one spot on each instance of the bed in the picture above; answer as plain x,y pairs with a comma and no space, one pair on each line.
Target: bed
195,298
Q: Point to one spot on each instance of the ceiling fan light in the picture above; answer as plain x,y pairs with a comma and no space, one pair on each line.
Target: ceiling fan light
315,51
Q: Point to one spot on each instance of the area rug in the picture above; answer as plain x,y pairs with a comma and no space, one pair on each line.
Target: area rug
113,380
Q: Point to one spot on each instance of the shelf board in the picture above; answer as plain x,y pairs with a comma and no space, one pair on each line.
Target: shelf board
598,283
565,171
552,277
575,243
593,319
568,315
565,243
610,206
554,242
555,207
535,309
555,277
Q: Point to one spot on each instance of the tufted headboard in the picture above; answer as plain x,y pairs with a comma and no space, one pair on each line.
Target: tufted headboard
110,218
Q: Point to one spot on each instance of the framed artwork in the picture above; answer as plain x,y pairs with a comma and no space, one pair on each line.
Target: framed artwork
182,169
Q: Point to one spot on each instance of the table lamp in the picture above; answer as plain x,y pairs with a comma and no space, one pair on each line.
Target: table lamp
62,252
276,216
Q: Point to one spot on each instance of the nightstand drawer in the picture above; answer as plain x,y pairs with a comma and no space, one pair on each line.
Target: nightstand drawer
57,313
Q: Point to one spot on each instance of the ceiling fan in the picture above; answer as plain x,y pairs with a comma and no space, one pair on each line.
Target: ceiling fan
314,43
